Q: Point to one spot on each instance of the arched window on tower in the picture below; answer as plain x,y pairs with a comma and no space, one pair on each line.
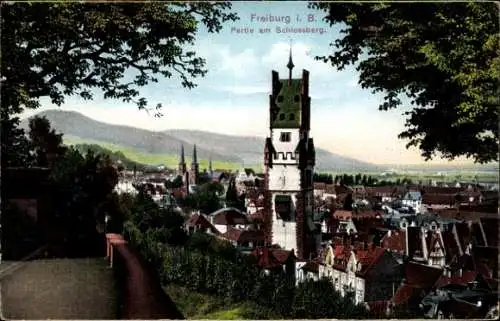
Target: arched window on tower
282,116
291,117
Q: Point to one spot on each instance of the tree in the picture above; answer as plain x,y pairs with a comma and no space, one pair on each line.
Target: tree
232,194
443,56
16,147
45,142
59,49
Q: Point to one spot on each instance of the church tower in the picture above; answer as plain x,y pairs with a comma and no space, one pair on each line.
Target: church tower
289,163
210,169
182,170
195,168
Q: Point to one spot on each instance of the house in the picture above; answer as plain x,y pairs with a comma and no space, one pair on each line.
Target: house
439,201
464,295
413,199
228,217
245,175
198,222
125,187
419,280
371,274
319,189
386,194
244,239
271,259
254,200
306,271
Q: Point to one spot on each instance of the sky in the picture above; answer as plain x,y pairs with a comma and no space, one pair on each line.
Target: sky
233,98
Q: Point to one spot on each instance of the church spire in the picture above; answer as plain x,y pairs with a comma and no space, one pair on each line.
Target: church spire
210,164
182,160
290,65
195,157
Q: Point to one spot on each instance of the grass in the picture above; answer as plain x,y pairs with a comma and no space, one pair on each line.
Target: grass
199,306
169,160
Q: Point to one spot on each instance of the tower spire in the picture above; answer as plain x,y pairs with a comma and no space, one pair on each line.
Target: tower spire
195,157
210,164
182,160
290,65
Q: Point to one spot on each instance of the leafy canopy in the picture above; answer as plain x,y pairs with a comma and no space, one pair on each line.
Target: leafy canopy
59,49
443,56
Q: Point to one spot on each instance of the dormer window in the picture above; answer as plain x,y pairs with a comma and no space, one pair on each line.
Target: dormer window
296,98
280,98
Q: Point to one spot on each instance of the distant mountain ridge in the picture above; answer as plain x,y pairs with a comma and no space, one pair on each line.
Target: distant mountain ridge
236,149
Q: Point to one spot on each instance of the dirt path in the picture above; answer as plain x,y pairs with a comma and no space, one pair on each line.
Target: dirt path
60,289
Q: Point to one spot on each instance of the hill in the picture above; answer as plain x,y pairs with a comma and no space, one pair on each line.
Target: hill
152,147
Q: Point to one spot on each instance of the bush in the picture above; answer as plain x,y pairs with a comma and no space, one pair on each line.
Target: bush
208,265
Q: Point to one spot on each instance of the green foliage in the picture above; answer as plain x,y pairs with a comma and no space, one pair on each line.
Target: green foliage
232,199
215,267
368,180
84,46
323,178
16,147
207,199
176,183
113,156
443,56
147,216
45,142
84,185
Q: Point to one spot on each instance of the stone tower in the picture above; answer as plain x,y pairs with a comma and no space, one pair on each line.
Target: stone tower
289,163
195,168
182,170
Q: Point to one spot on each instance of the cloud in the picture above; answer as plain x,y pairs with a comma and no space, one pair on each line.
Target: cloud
244,90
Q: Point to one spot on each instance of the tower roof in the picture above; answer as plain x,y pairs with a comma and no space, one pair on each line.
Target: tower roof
182,159
290,64
195,157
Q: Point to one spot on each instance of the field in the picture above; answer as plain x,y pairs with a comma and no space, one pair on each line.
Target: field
59,289
425,176
199,306
168,160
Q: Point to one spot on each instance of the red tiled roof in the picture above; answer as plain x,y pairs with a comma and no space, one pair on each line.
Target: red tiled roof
369,258
396,242
197,220
439,199
268,258
464,279
244,235
405,293
319,186
382,190
341,214
311,266
230,217
443,190
421,276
